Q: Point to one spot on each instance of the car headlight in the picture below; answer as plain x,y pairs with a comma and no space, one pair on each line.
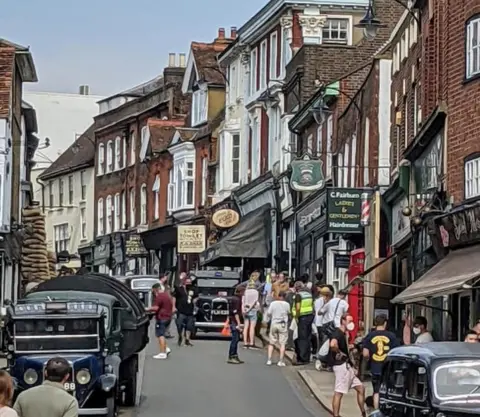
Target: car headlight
30,376
83,376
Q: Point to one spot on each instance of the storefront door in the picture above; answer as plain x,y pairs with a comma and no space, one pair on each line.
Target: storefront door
464,314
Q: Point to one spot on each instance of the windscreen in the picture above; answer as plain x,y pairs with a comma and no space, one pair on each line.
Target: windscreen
457,379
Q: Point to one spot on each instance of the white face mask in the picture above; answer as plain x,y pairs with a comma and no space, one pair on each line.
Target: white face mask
350,326
416,330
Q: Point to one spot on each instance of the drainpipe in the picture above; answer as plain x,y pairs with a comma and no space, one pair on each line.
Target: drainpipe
39,182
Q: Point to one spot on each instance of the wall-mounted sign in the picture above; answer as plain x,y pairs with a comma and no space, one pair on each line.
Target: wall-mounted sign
307,174
101,252
341,261
190,239
344,208
134,246
400,223
460,228
225,218
312,215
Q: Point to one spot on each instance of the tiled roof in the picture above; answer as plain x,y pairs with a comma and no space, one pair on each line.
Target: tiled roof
162,132
187,134
79,154
205,55
140,90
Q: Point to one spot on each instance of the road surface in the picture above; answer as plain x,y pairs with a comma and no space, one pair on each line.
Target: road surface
197,382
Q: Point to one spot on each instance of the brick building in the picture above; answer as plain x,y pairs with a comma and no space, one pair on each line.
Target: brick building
130,130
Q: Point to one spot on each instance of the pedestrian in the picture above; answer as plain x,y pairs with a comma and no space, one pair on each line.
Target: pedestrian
345,374
278,314
165,287
6,395
321,295
235,323
50,398
376,346
303,314
471,337
334,307
163,308
250,308
280,285
184,298
420,329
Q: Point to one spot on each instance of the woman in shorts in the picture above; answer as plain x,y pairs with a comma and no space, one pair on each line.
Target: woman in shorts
250,306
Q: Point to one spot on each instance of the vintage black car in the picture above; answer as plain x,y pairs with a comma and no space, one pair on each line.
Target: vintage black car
215,289
94,322
142,286
435,379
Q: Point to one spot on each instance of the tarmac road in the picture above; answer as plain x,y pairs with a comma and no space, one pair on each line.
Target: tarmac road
197,382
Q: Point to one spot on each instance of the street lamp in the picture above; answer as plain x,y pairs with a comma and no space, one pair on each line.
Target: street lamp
371,24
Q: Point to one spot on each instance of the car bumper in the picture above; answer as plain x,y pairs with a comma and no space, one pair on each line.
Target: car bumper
209,325
92,411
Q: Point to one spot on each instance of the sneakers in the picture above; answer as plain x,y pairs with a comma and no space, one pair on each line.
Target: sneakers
318,365
234,360
269,362
168,351
160,356
281,364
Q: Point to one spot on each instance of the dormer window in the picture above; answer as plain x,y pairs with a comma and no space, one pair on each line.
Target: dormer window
199,106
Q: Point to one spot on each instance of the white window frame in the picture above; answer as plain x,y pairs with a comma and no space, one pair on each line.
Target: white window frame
143,204
274,136
333,19
118,153
204,181
199,106
329,158
117,213
472,178
319,140
124,153
273,55
156,196
101,159
472,53
310,144
108,214
131,198
253,71
83,185
171,191
110,151
354,161
340,169
346,164
255,147
100,218
366,152
287,53
263,65
132,149
61,233
233,84
83,223
124,209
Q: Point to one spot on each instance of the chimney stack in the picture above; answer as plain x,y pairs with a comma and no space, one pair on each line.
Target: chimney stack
221,33
233,32
84,90
172,60
181,59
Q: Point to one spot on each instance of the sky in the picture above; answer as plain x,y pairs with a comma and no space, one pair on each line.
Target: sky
112,45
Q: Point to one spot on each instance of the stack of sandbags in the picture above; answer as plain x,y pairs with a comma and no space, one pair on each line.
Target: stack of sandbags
52,263
34,263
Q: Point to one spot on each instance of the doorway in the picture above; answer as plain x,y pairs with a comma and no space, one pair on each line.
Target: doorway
464,313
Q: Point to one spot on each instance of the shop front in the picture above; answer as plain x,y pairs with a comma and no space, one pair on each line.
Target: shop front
86,253
136,257
118,254
101,255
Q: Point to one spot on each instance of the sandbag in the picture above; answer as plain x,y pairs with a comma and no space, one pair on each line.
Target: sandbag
31,241
28,212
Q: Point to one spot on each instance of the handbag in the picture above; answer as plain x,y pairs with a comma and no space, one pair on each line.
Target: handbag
329,328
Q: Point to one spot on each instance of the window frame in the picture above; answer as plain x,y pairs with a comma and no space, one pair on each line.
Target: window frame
61,191
83,223
204,181
131,198
132,148
70,190
171,190
143,204
117,220
108,215
110,160
156,196
83,185
236,161
100,217
263,64
101,159
118,154
339,19
61,243
123,202
470,160
319,138
199,106
273,70
51,195
470,72
253,71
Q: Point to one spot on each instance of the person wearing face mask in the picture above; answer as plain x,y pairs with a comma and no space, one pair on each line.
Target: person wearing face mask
420,330
345,375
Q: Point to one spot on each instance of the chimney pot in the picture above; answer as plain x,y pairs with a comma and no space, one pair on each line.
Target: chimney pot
84,90
233,32
221,33
181,60
172,58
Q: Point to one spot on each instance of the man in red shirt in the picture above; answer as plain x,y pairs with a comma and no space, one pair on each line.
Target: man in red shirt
163,308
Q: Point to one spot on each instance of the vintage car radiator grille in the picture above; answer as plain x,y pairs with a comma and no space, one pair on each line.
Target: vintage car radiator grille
219,310
54,344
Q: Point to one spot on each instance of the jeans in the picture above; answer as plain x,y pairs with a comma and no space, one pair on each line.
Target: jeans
233,350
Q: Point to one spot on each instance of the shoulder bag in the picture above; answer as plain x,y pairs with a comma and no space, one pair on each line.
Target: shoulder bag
329,328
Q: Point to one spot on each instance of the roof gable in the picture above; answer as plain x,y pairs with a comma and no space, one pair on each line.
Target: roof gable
190,73
159,135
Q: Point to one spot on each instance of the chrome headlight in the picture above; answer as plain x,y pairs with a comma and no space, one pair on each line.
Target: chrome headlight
83,376
30,376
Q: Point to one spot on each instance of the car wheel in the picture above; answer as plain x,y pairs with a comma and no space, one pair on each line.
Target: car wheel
130,393
111,407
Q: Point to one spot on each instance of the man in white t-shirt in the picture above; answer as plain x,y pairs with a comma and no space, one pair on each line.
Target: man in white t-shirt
278,313
420,330
335,309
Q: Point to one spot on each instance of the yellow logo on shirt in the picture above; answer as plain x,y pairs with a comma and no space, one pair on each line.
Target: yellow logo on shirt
382,344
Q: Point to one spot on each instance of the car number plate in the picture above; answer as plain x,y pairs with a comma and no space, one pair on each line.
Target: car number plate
69,386
220,312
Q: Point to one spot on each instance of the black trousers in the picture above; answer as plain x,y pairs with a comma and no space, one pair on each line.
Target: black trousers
303,343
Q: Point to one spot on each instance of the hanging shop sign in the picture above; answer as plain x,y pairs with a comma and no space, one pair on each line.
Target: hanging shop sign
312,215
225,218
460,228
344,210
101,252
307,174
190,239
134,246
400,223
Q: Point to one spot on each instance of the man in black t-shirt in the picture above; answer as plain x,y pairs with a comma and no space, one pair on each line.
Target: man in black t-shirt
375,348
185,297
345,375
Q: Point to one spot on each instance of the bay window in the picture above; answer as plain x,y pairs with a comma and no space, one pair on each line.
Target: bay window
181,187
199,106
156,194
143,204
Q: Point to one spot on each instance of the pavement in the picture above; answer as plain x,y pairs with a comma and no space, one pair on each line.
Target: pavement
321,383
197,382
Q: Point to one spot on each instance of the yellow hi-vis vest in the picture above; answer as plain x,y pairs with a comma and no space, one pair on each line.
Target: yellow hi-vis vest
306,305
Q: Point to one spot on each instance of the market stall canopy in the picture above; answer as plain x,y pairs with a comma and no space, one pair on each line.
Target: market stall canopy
450,275
250,238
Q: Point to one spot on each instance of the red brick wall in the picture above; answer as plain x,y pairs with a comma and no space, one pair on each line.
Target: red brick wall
7,62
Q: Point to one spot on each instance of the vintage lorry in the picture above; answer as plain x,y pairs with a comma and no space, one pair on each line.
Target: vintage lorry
95,322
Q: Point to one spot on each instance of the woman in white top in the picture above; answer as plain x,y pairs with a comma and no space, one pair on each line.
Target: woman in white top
250,306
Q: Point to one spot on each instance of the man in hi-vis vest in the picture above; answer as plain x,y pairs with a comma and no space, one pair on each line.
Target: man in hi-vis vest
302,312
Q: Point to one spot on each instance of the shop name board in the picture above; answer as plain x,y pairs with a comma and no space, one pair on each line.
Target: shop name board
344,208
225,218
190,239
460,228
400,223
134,246
312,213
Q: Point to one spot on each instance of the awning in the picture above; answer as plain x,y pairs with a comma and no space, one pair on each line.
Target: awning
250,238
449,275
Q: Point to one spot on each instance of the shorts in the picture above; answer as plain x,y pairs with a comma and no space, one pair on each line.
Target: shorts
345,378
185,322
278,334
161,327
252,315
376,381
